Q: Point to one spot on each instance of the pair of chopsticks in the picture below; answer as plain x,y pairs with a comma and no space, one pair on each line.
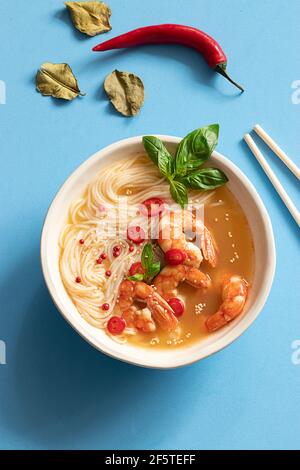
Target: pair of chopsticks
269,172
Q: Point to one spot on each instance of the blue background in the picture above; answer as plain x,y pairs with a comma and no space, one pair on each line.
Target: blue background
56,390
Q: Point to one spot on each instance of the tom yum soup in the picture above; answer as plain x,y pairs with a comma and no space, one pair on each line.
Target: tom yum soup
158,251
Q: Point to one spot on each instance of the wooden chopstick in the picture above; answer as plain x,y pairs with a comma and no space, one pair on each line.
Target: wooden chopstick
273,178
277,150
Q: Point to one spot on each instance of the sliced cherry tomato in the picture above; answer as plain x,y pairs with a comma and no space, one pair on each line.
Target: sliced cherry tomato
136,234
177,306
136,268
116,325
175,256
152,206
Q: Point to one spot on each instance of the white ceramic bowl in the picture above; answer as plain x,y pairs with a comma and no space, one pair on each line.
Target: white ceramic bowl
264,255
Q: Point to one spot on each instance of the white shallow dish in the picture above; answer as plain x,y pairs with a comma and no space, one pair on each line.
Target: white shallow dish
265,260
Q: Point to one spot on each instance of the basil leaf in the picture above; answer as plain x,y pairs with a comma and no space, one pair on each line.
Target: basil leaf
159,155
179,192
207,178
136,277
153,270
147,256
196,148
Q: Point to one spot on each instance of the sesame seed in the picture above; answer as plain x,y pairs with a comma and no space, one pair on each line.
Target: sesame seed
199,308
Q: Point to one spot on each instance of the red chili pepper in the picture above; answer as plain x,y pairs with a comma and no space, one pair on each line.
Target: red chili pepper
175,256
173,34
136,234
136,268
116,325
177,306
152,207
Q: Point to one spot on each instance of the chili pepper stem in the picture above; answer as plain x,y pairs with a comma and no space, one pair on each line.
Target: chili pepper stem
222,70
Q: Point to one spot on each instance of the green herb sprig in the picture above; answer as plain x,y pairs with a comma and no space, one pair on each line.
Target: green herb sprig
183,170
150,265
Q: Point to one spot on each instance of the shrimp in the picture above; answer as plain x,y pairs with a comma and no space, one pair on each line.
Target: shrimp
172,235
158,307
140,319
234,296
162,312
170,277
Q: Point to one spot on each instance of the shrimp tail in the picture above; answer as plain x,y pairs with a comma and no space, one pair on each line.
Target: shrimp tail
162,312
208,247
234,294
216,321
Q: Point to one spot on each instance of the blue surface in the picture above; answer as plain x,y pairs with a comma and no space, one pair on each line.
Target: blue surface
56,390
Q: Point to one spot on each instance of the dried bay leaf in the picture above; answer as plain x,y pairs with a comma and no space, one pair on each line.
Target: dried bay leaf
57,80
90,18
126,92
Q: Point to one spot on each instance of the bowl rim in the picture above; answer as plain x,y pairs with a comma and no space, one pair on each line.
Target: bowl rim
232,335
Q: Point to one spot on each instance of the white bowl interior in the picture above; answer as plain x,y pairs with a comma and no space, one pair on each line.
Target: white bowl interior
161,358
